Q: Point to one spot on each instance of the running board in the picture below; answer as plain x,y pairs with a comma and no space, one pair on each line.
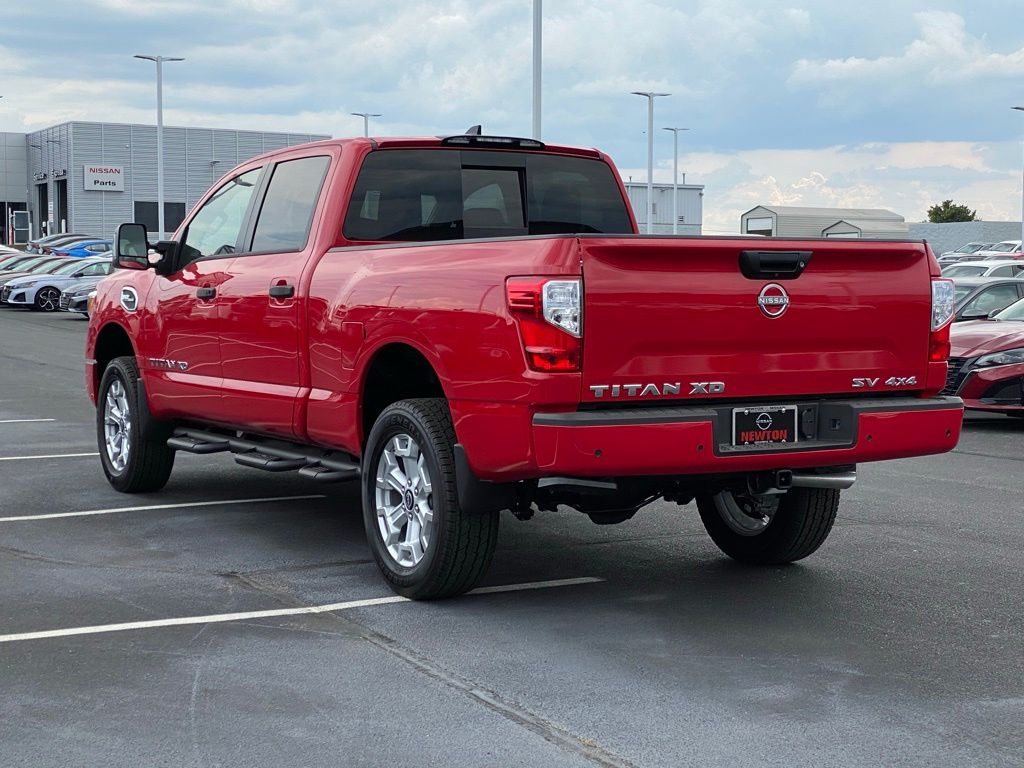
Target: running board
268,454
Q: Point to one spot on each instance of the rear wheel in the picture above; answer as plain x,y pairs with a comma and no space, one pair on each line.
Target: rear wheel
769,529
47,299
134,454
425,544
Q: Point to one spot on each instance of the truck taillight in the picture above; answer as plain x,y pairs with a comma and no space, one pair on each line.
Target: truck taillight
549,312
943,307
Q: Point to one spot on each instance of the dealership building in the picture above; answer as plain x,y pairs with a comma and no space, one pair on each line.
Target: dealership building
91,177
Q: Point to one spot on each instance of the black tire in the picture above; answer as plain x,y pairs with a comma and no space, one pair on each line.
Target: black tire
149,460
799,526
461,544
47,299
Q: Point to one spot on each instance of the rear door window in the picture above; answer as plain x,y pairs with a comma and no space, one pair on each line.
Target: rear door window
287,211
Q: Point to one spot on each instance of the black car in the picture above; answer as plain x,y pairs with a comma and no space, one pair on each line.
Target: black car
978,297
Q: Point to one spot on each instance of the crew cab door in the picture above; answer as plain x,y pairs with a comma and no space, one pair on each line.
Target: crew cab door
263,339
183,357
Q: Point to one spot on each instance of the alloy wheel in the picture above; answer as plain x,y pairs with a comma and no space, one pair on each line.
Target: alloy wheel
404,500
48,299
117,425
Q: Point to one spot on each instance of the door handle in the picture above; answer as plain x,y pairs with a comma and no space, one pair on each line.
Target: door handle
206,293
282,291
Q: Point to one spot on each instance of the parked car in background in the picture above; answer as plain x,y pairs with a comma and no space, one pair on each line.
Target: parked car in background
963,253
75,297
1007,249
36,265
9,260
37,245
999,268
83,248
42,292
986,366
978,297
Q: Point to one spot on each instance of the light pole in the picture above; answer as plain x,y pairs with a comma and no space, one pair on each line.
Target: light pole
537,16
675,177
366,121
1021,109
651,96
159,135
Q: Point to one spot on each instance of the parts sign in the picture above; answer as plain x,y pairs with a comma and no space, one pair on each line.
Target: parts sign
107,178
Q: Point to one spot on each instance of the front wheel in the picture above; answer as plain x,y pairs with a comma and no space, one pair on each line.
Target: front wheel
135,455
425,544
47,299
769,529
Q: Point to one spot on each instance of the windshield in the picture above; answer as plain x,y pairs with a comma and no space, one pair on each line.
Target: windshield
964,271
67,269
1013,312
7,261
48,267
969,248
960,291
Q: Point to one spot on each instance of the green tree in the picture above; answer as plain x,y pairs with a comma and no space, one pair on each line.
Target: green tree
948,211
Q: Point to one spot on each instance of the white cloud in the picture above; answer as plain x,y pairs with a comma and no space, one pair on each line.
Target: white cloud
945,52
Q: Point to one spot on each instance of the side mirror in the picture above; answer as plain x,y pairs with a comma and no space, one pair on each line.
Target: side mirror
973,316
993,313
131,247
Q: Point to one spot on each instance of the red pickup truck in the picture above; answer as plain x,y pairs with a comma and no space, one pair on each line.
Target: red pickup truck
471,324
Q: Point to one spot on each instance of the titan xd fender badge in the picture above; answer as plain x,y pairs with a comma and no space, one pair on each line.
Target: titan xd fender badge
773,300
129,299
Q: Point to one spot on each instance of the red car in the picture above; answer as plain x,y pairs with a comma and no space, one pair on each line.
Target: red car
986,367
472,324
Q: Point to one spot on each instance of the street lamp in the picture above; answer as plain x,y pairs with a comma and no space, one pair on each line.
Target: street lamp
537,17
159,60
675,177
366,120
651,96
1021,109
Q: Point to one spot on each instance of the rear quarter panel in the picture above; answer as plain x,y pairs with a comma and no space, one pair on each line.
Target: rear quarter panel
446,300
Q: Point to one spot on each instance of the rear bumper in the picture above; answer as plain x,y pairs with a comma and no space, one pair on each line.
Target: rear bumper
696,440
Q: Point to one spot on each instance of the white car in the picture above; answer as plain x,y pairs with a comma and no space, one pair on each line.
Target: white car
1007,249
1001,268
42,292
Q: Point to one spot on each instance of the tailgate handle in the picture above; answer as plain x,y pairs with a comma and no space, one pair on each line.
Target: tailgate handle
206,292
773,265
282,291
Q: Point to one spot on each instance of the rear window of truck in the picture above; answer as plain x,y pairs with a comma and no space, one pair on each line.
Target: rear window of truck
443,194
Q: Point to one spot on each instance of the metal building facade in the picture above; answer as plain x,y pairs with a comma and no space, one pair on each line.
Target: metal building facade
690,210
193,159
13,179
797,221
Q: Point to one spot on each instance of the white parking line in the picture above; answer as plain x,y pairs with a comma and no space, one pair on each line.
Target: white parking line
22,421
47,456
179,505
220,618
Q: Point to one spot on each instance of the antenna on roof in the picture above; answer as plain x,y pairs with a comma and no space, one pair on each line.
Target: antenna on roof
474,130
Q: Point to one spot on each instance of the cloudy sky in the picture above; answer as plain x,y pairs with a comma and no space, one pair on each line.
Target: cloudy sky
875,103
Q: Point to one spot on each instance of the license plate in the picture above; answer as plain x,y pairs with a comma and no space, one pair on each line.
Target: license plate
767,425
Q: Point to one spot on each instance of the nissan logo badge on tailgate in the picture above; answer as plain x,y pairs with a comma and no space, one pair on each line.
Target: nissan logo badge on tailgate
773,300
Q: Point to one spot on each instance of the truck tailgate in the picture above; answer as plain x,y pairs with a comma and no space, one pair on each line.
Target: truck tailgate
681,312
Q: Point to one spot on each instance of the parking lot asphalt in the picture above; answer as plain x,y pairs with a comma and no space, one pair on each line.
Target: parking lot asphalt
901,642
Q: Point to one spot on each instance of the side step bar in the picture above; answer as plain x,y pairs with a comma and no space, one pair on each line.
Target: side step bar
269,454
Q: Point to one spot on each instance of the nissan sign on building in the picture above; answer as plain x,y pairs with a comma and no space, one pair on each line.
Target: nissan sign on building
107,178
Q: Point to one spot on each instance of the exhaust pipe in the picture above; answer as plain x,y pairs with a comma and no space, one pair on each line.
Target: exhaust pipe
838,480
